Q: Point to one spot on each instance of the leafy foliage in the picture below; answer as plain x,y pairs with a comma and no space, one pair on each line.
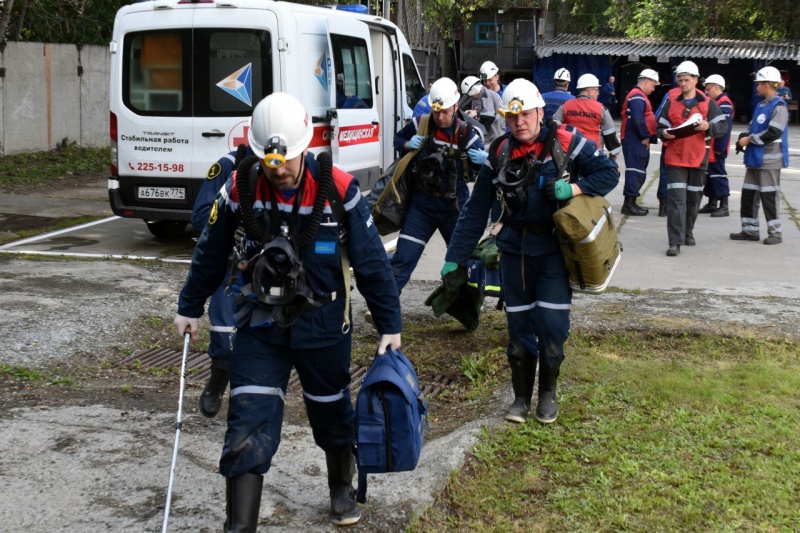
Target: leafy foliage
680,19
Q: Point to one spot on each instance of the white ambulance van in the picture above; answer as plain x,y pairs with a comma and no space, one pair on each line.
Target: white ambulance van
186,75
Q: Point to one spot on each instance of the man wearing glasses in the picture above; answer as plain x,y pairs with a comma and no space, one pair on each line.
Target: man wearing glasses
688,120
589,116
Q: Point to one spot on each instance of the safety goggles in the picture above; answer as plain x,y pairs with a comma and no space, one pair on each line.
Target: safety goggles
275,153
515,107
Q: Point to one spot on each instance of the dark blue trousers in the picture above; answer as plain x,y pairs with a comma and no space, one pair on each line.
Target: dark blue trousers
717,185
259,375
637,157
537,302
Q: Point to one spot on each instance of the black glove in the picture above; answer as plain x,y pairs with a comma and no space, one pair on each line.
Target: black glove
453,281
739,147
550,189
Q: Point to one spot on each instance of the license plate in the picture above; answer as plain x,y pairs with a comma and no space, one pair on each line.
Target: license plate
162,193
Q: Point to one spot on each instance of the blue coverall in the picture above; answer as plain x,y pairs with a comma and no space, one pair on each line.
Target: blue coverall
717,184
534,279
636,154
316,344
553,100
427,211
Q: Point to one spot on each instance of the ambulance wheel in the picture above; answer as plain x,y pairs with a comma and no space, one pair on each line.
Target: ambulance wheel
166,229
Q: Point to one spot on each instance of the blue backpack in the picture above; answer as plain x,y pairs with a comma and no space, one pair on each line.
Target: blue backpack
391,416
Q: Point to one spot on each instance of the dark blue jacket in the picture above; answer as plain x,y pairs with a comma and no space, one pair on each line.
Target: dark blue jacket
553,100
595,173
216,177
321,259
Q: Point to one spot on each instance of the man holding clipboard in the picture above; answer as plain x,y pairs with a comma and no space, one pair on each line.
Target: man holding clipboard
688,120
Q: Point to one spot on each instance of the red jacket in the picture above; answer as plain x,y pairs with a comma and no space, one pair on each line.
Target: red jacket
586,115
688,151
649,116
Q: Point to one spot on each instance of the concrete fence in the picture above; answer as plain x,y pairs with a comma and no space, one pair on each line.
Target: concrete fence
52,92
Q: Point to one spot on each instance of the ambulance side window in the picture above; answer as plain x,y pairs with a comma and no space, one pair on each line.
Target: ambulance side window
353,76
156,67
414,88
233,70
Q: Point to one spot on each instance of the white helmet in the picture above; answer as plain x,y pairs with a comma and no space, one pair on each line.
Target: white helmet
562,74
769,74
471,85
716,79
649,74
520,95
444,94
587,81
488,70
687,67
279,129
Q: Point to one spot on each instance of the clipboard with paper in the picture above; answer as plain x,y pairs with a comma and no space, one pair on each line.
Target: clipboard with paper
687,128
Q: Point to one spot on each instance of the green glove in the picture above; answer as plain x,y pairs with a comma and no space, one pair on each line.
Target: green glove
448,267
558,190
563,190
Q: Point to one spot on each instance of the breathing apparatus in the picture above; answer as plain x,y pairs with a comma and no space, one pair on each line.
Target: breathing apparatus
515,176
278,276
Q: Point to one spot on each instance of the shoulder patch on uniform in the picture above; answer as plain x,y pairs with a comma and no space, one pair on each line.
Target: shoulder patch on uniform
214,171
212,217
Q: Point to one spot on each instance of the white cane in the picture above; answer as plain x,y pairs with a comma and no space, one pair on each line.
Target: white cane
186,338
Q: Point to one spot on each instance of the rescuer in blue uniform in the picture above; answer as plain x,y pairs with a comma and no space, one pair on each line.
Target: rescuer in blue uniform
717,187
534,279
292,294
556,98
638,130
221,306
766,152
440,172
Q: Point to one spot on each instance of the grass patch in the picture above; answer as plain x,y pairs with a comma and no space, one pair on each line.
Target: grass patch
656,433
25,374
34,168
21,373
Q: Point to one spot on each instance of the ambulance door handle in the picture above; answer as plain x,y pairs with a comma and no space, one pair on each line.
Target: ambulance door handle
377,86
213,134
375,122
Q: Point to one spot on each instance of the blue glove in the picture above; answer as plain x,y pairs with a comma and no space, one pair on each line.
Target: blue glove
448,267
477,156
415,142
558,190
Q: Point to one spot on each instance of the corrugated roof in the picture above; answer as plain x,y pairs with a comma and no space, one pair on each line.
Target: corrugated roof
697,48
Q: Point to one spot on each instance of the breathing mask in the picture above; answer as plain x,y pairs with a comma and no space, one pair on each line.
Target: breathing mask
276,270
513,180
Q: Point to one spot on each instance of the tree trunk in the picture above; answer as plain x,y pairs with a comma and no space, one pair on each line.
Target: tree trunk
21,21
6,16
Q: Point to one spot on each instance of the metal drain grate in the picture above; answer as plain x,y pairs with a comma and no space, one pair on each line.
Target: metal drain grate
198,369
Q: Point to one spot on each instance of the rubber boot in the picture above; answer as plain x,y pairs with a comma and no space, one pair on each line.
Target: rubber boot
662,207
523,372
547,407
211,398
710,207
631,209
722,210
341,468
244,500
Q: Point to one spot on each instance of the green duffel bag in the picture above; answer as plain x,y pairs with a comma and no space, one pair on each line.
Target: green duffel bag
588,238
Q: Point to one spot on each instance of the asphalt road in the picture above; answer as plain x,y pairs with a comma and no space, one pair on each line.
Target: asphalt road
716,264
